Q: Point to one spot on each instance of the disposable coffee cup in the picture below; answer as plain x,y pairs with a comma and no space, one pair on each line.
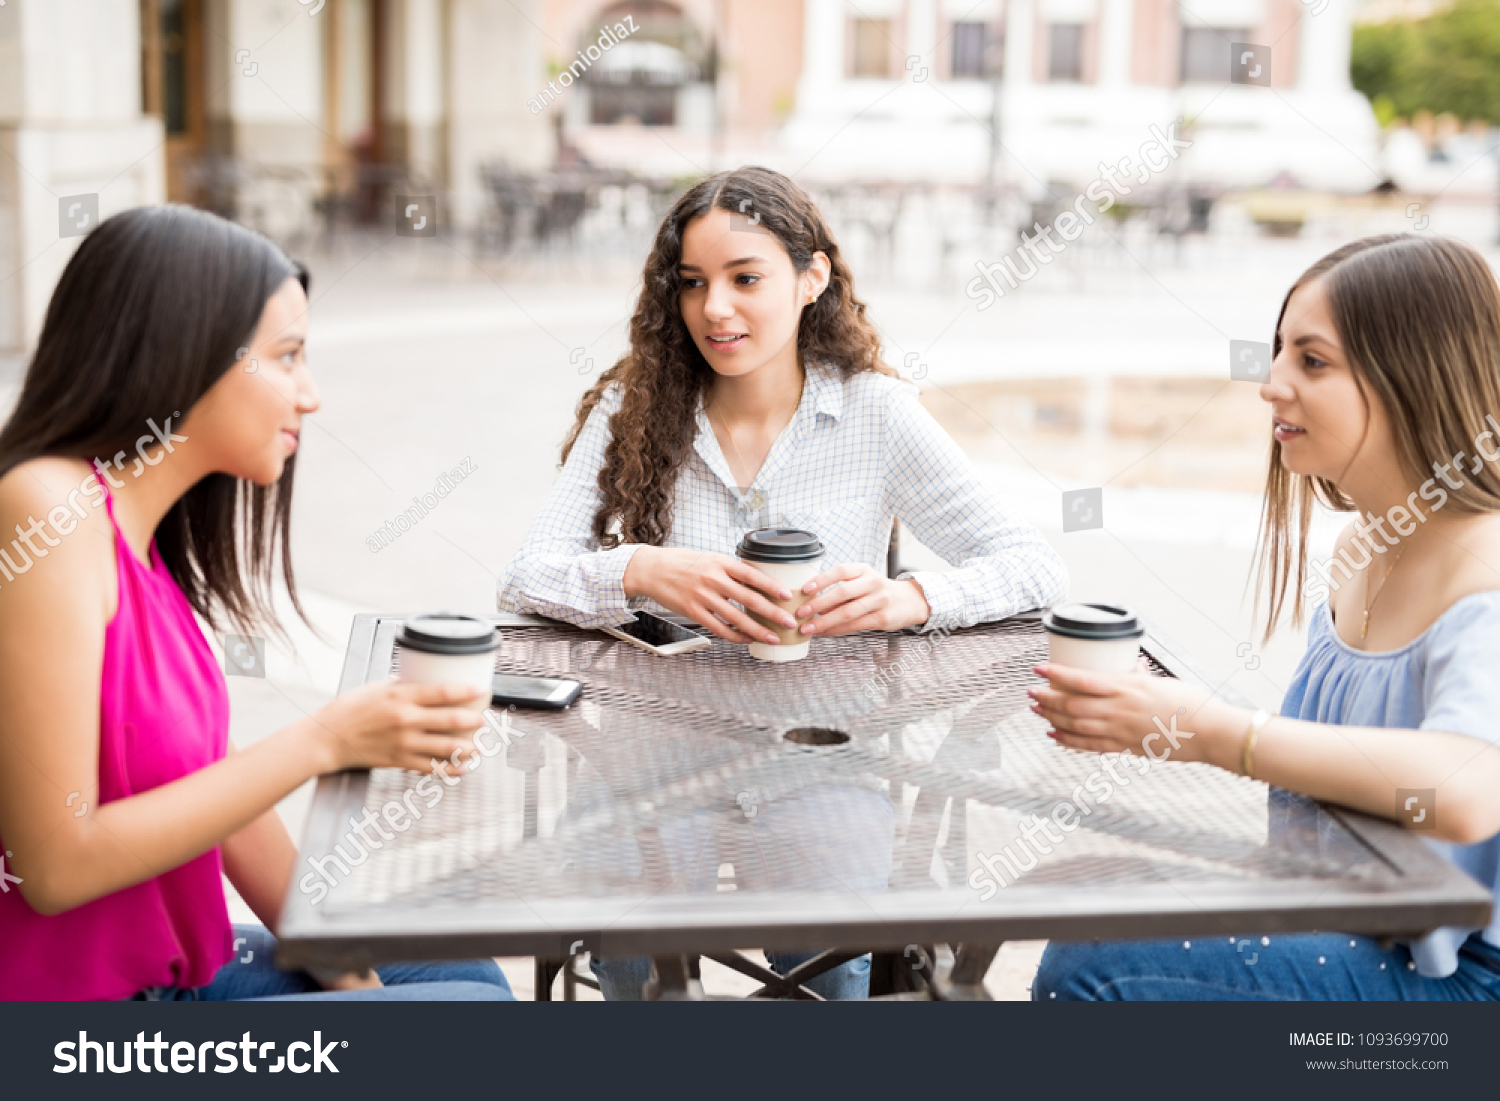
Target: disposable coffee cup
449,649
1104,638
791,558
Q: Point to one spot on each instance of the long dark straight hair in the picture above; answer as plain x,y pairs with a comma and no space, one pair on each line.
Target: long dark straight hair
150,312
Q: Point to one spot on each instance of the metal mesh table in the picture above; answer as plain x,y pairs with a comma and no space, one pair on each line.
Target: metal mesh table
707,802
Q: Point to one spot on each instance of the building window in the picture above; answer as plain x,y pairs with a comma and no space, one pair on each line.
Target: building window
1065,51
632,104
976,51
174,67
872,47
641,80
1205,53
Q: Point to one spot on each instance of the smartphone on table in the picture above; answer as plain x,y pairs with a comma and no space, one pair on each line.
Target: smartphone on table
548,693
660,636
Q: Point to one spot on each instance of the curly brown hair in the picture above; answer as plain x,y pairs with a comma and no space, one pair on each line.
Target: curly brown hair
664,375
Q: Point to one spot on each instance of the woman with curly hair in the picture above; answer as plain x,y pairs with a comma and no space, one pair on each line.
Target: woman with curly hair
753,395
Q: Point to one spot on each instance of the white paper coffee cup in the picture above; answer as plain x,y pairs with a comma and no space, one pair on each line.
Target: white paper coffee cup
1103,638
448,649
792,558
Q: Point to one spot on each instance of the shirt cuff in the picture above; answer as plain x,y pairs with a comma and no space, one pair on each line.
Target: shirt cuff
586,590
944,598
607,572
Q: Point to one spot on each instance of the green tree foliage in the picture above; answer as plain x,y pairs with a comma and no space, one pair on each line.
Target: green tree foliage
1448,62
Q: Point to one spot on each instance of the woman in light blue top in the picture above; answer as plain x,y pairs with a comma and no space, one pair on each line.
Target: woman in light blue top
1383,393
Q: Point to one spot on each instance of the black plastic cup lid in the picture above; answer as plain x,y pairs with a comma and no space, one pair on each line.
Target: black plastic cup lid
780,545
1093,621
446,633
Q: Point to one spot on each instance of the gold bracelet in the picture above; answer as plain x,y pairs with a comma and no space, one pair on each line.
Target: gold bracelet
1247,750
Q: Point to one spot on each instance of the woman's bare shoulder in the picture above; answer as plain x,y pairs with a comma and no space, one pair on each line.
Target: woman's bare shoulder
53,471
54,527
39,486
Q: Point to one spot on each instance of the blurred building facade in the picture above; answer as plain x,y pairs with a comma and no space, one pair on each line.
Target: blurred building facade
71,125
286,114
1081,81
913,89
297,116
338,102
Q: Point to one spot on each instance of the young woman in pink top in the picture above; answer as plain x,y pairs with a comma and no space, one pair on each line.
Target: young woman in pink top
147,472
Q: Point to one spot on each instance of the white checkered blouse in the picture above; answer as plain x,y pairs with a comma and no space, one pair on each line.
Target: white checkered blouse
858,453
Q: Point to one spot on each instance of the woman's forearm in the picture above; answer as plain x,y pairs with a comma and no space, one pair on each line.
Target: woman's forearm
259,860
1364,767
132,840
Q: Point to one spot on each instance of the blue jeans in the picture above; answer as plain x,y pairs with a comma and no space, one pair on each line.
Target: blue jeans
1303,967
252,976
621,979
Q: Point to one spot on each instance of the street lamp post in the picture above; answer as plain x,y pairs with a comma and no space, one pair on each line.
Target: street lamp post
993,55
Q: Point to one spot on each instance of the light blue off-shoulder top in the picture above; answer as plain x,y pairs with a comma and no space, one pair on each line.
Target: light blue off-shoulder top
1447,678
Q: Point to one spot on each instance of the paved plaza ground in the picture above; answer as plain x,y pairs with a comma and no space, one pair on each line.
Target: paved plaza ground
1109,371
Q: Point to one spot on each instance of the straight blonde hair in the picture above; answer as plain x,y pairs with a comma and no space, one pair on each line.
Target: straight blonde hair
1419,321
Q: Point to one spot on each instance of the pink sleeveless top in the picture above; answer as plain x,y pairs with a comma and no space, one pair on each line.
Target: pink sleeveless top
163,713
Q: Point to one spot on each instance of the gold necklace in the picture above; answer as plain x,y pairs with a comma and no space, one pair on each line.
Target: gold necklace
1365,626
725,425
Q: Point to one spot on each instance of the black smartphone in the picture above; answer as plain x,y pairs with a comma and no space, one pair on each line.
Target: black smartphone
660,636
550,693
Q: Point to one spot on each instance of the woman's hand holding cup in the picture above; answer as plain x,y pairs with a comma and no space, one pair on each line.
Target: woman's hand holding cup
393,725
1119,713
1102,698
702,586
855,597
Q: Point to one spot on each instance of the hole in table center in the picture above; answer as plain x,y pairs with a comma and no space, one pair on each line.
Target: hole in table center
815,735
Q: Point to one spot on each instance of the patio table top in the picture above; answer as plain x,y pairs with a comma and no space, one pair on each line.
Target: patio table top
696,803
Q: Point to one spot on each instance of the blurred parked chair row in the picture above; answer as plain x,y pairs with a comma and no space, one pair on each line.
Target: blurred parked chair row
578,211
552,209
